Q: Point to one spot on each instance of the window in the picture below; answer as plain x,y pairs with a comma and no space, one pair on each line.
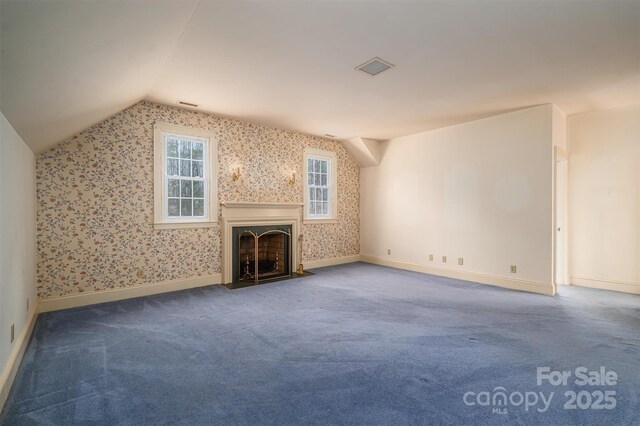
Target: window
184,180
320,186
185,173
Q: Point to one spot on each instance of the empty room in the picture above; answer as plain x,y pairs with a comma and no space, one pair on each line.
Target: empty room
324,212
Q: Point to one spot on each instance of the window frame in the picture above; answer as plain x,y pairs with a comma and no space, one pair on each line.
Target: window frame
210,176
332,185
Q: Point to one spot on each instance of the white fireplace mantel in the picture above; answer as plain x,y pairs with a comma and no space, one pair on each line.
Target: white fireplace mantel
257,214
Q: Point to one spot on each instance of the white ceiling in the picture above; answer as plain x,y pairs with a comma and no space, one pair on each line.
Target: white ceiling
67,65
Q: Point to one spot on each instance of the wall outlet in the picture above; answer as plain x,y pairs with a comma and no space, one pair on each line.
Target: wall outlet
389,251
444,259
27,304
460,261
12,333
514,269
431,257
140,273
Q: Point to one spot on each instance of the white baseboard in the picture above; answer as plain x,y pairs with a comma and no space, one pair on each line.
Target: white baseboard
15,358
85,299
495,280
330,262
613,285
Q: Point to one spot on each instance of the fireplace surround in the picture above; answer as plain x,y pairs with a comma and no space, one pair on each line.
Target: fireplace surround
271,221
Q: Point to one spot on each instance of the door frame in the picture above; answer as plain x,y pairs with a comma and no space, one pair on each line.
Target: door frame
561,156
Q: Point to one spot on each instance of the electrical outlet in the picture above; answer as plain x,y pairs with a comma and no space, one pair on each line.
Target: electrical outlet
12,333
27,304
140,273
460,261
514,269
431,257
444,259
389,251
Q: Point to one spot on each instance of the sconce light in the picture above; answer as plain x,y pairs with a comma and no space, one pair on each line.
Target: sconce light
236,174
292,179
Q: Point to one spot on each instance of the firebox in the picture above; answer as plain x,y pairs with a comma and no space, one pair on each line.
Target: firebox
261,253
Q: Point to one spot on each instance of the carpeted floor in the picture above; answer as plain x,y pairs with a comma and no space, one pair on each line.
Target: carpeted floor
353,344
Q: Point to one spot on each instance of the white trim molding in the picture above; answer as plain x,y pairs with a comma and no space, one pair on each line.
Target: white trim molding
184,225
257,214
332,181
331,262
15,357
495,280
605,284
92,298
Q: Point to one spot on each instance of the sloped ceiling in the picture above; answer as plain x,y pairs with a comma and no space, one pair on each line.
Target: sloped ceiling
67,65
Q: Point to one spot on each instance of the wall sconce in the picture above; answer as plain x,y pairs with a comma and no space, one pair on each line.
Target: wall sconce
236,174
292,179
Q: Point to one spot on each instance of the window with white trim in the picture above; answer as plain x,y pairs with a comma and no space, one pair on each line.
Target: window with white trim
184,177
320,185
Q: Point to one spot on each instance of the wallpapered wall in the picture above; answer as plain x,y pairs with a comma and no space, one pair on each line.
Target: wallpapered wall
95,201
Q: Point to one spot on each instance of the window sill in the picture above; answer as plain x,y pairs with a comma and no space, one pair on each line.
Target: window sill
183,225
309,221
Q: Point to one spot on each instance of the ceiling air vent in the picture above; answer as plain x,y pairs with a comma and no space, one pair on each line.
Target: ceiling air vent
189,104
374,66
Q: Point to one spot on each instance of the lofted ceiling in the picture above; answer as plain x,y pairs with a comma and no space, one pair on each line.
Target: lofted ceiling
67,65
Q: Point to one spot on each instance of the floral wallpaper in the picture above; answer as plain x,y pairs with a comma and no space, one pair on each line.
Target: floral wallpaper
95,201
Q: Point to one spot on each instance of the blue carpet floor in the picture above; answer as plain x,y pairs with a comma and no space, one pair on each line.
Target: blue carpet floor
353,344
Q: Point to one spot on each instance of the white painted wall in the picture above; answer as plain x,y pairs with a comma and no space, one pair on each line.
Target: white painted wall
480,190
559,128
604,182
17,237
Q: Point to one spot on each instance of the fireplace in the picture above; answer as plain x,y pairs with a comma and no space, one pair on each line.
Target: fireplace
266,235
261,253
